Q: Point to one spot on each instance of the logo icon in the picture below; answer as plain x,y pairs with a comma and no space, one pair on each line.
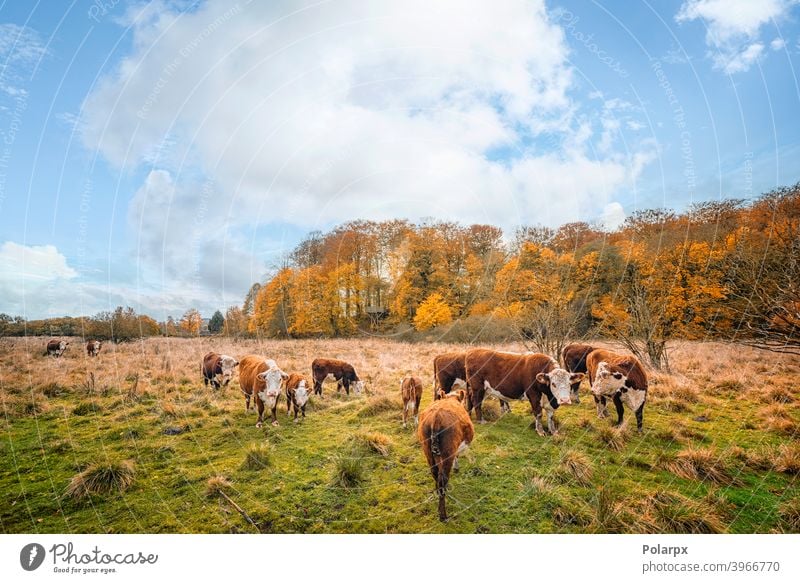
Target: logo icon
31,556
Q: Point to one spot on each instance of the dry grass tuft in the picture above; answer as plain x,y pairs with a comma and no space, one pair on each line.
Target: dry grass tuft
575,468
788,459
700,464
490,410
613,437
672,513
380,404
375,441
780,395
349,470
258,456
101,478
217,485
789,513
86,408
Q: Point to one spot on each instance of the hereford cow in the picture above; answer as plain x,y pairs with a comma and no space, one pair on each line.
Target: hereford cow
448,370
298,391
509,376
573,357
342,372
56,347
445,430
620,377
262,379
411,390
93,347
218,369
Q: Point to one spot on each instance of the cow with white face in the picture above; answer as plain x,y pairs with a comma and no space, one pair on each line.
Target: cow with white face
298,391
509,376
218,369
56,347
93,347
262,379
622,379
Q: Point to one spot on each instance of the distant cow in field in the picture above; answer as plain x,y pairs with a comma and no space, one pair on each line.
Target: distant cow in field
573,357
297,393
411,390
218,369
56,347
93,347
620,377
342,372
509,376
445,430
262,379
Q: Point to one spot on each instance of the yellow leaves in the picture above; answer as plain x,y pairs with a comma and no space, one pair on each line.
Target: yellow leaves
434,311
190,322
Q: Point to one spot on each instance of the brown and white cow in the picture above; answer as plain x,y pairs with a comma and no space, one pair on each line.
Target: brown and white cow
411,390
218,369
262,379
510,376
93,347
620,377
448,371
573,357
445,430
342,372
298,391
56,347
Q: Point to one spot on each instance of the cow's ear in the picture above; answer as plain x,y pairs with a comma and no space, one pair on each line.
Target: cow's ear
284,376
441,394
461,394
543,378
262,376
576,377
236,363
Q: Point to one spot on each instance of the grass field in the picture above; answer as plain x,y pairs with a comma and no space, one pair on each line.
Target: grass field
86,447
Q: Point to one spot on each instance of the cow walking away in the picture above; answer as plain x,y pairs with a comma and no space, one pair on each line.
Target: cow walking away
509,376
445,430
93,347
621,378
573,357
342,372
411,390
298,391
263,380
218,369
56,348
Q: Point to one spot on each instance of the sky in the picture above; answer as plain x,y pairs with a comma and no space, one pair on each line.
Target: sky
166,155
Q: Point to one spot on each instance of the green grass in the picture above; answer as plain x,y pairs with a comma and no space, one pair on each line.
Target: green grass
351,467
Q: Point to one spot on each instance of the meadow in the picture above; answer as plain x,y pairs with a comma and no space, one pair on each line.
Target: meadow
133,442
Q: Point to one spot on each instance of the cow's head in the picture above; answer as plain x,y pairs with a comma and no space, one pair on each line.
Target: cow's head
273,378
301,393
458,395
227,364
559,381
62,345
607,380
358,387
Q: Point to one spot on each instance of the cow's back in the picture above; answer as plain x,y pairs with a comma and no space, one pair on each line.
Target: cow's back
210,362
505,369
574,356
249,368
448,418
294,381
597,356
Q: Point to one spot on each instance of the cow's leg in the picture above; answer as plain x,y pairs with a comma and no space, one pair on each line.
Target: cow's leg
338,386
445,466
346,384
205,381
639,417
574,393
600,403
535,398
275,414
405,412
551,424
620,409
246,402
317,386
289,406
303,411
416,411
260,407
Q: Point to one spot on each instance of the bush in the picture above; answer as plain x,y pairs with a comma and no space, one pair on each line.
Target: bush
101,478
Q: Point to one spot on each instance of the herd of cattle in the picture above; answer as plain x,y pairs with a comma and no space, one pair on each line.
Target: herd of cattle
462,380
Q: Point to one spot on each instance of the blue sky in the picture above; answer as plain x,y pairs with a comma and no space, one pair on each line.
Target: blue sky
165,154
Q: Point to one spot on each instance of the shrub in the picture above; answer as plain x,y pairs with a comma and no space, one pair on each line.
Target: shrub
258,456
101,478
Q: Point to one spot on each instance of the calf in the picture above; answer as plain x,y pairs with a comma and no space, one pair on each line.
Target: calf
297,393
411,389
262,379
56,347
445,430
218,366
509,376
338,370
93,347
620,377
573,356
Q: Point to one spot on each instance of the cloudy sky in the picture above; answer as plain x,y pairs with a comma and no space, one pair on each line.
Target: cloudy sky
164,155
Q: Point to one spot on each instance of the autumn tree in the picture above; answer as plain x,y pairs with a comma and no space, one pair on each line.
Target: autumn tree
190,322
433,311
235,323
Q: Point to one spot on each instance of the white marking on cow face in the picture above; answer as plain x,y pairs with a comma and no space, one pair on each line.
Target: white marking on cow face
559,381
227,364
273,379
606,382
62,346
301,394
358,386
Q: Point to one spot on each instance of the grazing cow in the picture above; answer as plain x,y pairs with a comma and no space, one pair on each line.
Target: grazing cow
449,372
56,347
262,379
342,372
411,389
445,430
573,356
218,369
509,376
297,393
93,347
620,377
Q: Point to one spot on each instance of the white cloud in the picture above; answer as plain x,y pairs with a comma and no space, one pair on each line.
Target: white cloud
613,216
733,28
20,48
777,44
340,111
38,263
